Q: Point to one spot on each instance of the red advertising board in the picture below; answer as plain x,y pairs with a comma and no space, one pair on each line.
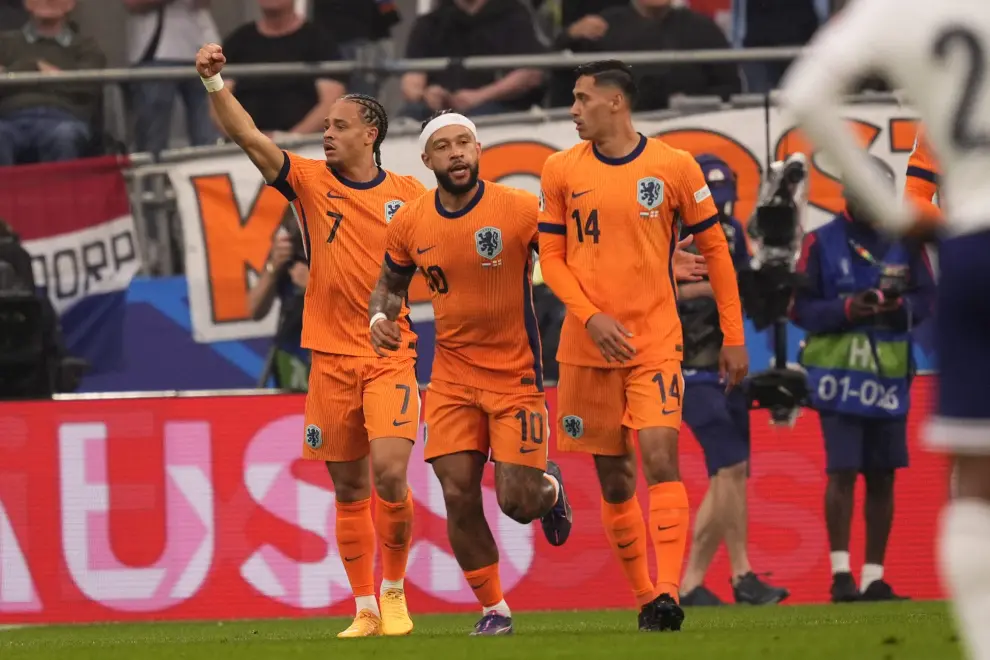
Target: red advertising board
196,508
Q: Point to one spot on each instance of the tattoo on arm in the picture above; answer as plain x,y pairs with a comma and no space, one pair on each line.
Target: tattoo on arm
389,294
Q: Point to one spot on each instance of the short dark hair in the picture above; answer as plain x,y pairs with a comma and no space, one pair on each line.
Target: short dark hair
615,73
438,113
373,114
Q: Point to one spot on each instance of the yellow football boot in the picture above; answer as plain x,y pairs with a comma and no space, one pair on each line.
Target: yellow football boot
395,613
366,624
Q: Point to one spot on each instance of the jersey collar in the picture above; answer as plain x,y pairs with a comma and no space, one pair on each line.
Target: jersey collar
622,160
453,215
359,185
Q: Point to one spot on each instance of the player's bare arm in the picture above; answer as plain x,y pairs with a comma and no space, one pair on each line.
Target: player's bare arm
384,308
234,119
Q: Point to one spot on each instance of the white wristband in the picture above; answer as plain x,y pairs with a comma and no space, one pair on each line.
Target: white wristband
213,84
376,318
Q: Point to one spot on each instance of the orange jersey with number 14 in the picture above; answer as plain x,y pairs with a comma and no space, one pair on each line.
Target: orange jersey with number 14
478,264
608,230
344,224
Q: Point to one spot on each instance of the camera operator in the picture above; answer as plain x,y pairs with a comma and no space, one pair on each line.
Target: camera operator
861,298
285,277
719,420
34,363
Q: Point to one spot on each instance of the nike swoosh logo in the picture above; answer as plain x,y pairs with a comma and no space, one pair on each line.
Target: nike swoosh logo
664,529
524,450
479,586
394,547
424,250
330,195
350,559
669,412
626,545
579,194
396,422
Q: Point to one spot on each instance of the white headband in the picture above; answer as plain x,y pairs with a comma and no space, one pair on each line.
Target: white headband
443,121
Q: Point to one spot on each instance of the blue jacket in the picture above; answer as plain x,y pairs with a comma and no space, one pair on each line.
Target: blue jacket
859,368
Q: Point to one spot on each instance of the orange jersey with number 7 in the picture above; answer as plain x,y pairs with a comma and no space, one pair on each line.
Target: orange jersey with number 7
608,230
344,224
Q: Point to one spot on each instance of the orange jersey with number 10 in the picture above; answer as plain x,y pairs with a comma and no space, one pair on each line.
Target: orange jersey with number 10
344,224
478,264
608,230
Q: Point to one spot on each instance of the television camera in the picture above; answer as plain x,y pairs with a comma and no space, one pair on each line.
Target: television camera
768,286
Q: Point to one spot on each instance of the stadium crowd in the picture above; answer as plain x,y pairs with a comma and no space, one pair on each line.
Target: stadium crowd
48,123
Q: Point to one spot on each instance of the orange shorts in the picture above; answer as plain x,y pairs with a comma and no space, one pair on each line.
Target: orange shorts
353,400
596,407
508,428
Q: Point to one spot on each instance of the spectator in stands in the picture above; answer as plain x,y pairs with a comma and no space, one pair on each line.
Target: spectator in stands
464,28
12,14
285,104
168,33
50,123
652,25
572,11
362,26
774,23
285,278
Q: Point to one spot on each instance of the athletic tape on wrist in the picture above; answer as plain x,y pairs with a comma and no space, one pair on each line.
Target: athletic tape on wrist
376,318
213,84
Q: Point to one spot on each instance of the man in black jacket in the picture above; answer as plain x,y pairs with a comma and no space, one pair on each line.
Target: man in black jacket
653,25
465,28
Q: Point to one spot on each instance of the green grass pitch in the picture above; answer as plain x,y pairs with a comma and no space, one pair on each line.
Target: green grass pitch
883,631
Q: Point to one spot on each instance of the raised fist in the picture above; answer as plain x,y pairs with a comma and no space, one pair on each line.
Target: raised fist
210,60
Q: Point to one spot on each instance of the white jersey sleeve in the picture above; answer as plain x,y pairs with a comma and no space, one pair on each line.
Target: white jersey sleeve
850,47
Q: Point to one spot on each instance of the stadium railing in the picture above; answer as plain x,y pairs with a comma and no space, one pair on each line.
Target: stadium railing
153,201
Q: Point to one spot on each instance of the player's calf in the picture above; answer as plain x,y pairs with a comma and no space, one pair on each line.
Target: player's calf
524,493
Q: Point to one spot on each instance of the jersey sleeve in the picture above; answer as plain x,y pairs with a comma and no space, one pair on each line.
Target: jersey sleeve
398,253
700,218
529,216
553,245
292,175
850,46
922,179
417,188
740,253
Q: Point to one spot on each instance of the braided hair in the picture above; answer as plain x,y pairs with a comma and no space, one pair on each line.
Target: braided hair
372,114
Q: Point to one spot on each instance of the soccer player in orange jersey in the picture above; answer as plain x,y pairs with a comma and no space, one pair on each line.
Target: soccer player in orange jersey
922,178
343,204
612,206
474,241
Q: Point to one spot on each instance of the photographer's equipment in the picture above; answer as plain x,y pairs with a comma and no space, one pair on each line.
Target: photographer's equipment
33,364
768,287
25,370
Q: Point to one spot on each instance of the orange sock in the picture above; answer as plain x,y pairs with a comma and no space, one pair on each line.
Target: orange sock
669,521
626,533
486,585
356,545
394,522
